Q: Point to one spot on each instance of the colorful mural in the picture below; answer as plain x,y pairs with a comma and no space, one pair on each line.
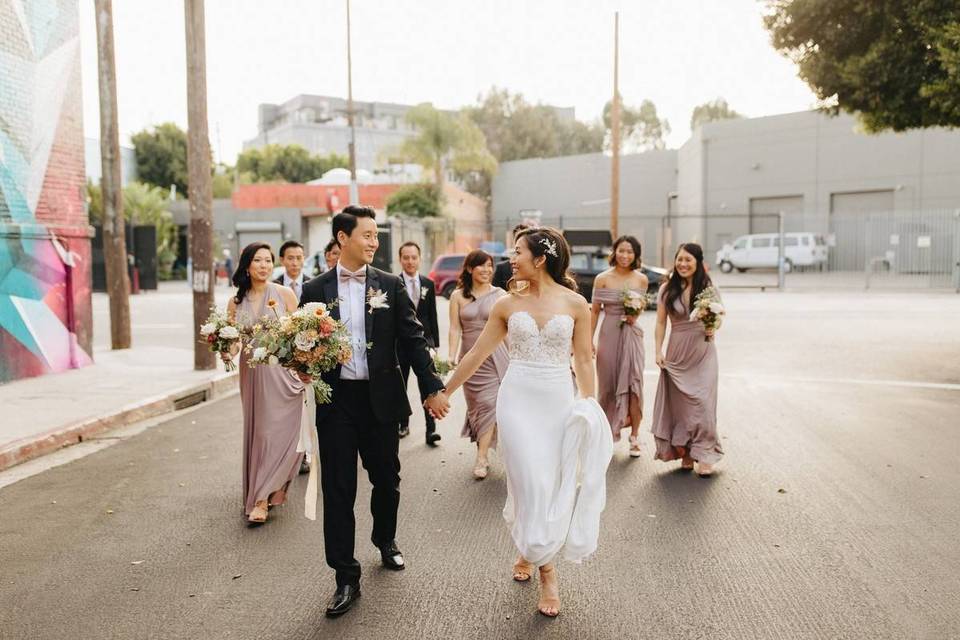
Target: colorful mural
45,314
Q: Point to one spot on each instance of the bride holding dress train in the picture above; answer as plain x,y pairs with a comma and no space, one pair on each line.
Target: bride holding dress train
555,446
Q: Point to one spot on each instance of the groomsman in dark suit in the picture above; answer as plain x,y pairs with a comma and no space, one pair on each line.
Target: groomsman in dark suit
369,398
291,257
502,272
423,292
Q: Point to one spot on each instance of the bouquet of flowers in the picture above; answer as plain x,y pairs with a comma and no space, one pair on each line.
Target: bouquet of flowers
708,309
220,334
443,367
307,341
633,303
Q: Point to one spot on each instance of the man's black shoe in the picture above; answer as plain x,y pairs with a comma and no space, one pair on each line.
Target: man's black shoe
343,598
404,431
304,466
432,438
392,557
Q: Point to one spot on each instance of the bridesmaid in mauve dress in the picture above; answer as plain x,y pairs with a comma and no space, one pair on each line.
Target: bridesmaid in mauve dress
619,348
470,307
685,410
272,396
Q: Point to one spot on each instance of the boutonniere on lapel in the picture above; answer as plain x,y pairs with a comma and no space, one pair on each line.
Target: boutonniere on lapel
423,293
377,299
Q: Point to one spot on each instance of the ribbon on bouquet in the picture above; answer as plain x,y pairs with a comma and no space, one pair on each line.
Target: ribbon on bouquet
308,444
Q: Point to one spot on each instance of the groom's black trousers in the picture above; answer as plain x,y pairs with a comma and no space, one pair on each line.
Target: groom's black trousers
348,429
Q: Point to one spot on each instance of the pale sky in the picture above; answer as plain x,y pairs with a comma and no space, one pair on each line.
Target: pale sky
678,53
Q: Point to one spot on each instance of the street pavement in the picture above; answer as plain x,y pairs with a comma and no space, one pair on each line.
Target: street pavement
834,515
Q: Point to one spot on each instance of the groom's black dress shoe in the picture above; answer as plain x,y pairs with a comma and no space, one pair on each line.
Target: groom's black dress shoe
343,598
432,438
392,557
403,431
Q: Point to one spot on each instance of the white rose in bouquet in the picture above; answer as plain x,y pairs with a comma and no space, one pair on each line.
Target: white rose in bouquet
207,329
259,354
229,333
304,342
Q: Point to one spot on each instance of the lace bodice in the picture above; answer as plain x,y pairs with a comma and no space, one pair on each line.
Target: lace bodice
550,345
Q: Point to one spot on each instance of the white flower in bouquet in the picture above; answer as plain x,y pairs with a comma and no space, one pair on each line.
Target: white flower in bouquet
273,360
259,354
207,329
229,332
717,308
286,324
304,341
311,308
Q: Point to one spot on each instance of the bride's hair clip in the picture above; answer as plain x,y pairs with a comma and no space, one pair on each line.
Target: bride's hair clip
551,246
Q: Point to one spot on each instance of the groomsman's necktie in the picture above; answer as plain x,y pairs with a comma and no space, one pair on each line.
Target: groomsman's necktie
412,290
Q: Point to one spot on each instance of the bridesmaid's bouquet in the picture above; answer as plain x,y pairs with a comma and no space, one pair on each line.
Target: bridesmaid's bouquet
708,309
443,366
633,303
220,335
308,341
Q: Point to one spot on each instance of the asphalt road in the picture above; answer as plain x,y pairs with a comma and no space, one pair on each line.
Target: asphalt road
835,514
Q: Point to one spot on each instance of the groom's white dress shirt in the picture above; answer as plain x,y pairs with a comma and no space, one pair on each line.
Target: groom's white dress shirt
352,295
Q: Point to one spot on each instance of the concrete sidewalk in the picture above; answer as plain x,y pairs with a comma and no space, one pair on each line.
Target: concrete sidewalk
46,413
154,377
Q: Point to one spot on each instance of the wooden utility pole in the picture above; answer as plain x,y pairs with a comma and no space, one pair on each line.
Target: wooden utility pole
354,191
615,132
199,189
114,229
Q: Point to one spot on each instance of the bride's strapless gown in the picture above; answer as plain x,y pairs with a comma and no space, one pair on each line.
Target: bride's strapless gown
555,447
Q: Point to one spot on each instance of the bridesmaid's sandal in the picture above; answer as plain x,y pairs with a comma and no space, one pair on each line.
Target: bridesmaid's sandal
278,498
681,452
686,463
480,471
259,513
704,470
549,604
523,570
635,451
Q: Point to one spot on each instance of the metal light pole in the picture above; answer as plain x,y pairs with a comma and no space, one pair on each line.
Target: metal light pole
354,192
615,132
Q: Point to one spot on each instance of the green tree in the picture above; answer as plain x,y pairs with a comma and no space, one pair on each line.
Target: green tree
641,129
711,112
161,155
223,180
444,141
515,129
895,64
422,200
286,163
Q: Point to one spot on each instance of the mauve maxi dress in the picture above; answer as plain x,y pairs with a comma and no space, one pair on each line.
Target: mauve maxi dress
480,390
619,361
272,399
685,410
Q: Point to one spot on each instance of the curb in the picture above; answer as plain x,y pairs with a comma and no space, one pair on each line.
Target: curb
55,439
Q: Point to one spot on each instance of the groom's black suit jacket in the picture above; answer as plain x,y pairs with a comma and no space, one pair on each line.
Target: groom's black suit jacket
389,329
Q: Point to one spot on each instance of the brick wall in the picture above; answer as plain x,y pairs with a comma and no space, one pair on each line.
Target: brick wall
45,314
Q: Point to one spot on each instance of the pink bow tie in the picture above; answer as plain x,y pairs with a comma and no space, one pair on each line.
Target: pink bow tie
359,276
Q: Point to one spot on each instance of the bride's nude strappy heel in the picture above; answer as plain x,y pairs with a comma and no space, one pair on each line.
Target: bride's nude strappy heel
522,570
549,604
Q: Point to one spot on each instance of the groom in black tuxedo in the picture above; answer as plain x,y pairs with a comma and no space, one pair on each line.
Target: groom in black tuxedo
369,398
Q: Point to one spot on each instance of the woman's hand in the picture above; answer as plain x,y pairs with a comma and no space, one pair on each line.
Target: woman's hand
710,332
226,356
661,362
630,319
304,378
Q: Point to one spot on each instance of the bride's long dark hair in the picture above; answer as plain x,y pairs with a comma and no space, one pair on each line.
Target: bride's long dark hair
699,281
550,244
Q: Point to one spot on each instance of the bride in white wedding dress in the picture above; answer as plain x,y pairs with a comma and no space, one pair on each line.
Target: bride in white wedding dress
555,446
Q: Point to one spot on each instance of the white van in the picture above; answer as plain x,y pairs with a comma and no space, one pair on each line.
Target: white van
761,250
